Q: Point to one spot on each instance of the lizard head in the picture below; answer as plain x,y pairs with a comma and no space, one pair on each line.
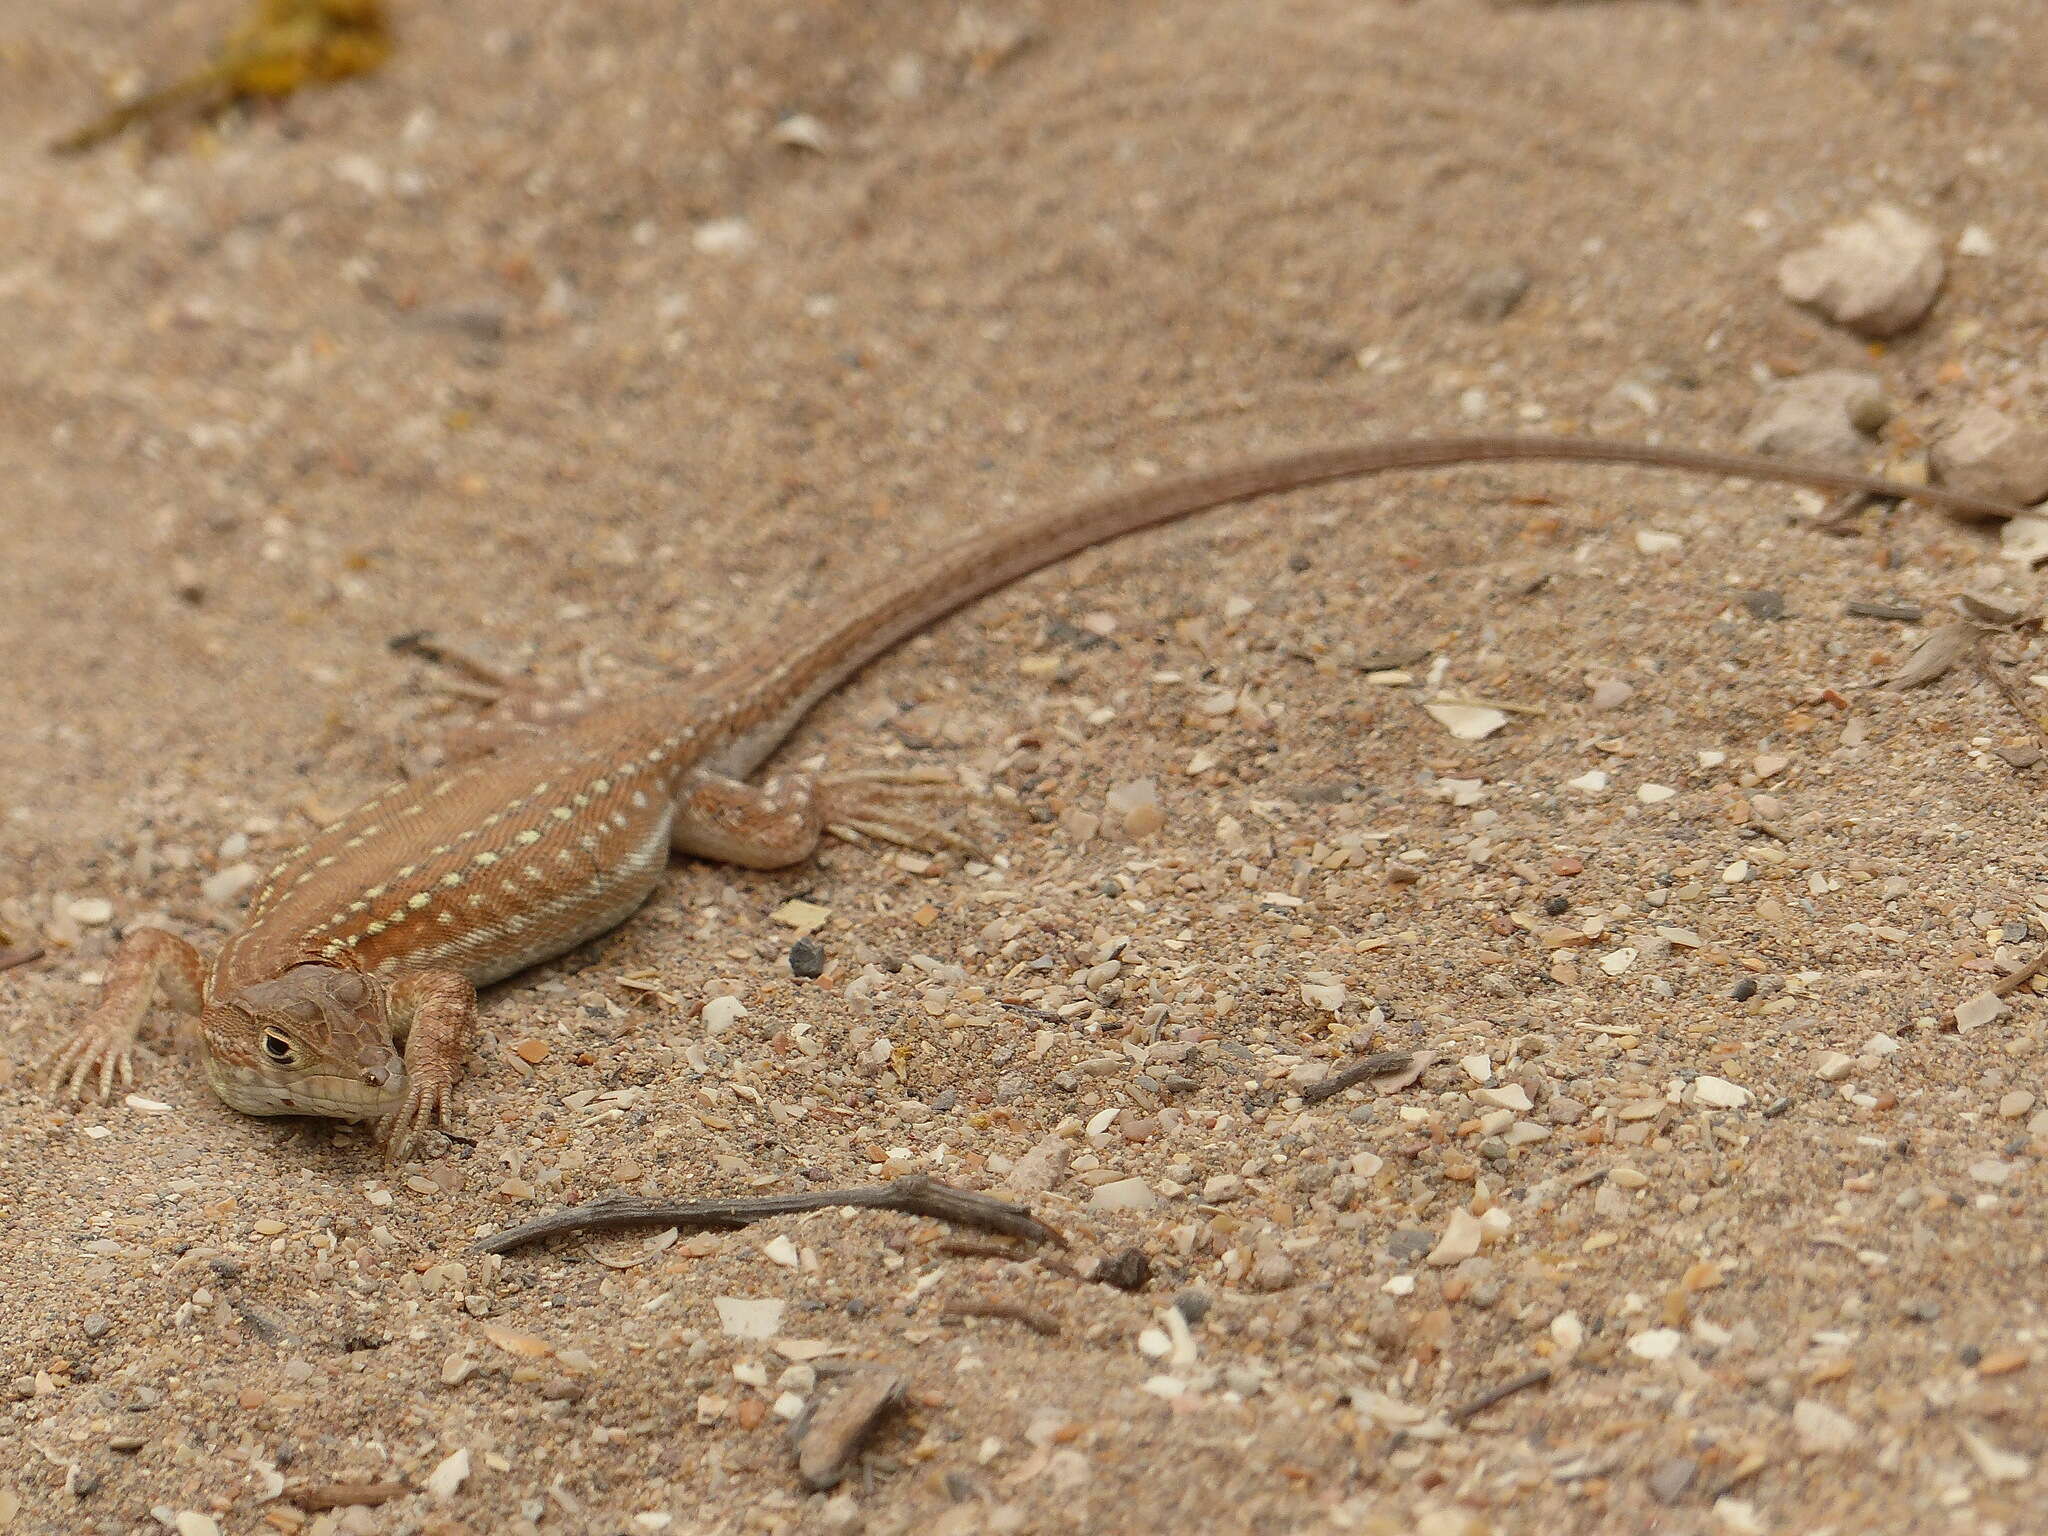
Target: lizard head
314,1041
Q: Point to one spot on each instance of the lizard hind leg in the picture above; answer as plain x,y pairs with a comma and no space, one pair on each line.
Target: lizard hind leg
779,821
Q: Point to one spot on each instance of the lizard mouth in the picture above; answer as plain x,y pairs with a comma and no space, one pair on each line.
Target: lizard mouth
332,1096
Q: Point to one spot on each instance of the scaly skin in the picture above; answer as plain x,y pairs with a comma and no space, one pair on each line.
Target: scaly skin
376,932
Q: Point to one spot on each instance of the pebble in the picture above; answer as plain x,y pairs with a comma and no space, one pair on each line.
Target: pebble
224,885
1976,1012
1670,1478
190,1522
721,1013
1461,1238
1833,1067
1991,454
97,1325
1876,275
1656,1344
749,1317
724,237
447,1478
1998,1466
1041,1168
1491,294
1821,1429
1274,1271
1719,1093
1467,722
1223,1186
2015,1104
803,916
1562,1110
807,959
91,911
1123,1195
1824,415
1128,1270
836,1431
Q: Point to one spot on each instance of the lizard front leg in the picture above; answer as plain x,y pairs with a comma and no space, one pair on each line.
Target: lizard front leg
103,1046
779,821
434,1014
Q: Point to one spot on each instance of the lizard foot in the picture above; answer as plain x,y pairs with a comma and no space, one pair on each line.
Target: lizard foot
427,1104
86,1068
866,806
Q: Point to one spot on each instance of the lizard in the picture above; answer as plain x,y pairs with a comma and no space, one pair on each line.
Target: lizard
349,989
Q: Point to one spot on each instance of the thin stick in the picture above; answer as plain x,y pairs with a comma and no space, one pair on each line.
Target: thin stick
25,954
1382,1064
913,1195
2005,986
1981,654
1509,1388
1013,1311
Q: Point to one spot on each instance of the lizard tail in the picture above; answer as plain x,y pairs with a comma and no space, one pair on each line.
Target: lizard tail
776,684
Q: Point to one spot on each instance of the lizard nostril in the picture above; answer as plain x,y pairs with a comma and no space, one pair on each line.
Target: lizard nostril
376,1077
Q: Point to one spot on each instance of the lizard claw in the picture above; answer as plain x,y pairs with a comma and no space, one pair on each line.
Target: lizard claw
86,1068
427,1102
862,805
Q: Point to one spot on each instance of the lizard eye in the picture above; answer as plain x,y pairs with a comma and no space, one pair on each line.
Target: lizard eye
278,1047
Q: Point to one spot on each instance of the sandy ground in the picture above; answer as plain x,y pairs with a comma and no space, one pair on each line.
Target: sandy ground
472,346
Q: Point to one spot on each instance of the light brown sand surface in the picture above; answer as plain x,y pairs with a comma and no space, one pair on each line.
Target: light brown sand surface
543,339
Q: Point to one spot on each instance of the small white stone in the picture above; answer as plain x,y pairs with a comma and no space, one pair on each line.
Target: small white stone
1467,722
1821,1429
1976,1012
1123,1195
1328,996
724,237
1593,782
224,885
1507,1096
1461,1238
1478,1068
1153,1343
1651,542
1567,1332
748,1317
1719,1093
1876,275
1656,1344
721,1013
449,1476
1975,240
1735,873
800,130
91,911
1989,1170
1617,961
1654,794
780,1250
1999,1466
1833,1066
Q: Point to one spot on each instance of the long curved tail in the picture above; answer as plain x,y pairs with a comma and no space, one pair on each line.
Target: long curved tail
767,691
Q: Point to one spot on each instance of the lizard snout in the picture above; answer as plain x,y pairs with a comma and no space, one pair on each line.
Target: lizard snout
380,1068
